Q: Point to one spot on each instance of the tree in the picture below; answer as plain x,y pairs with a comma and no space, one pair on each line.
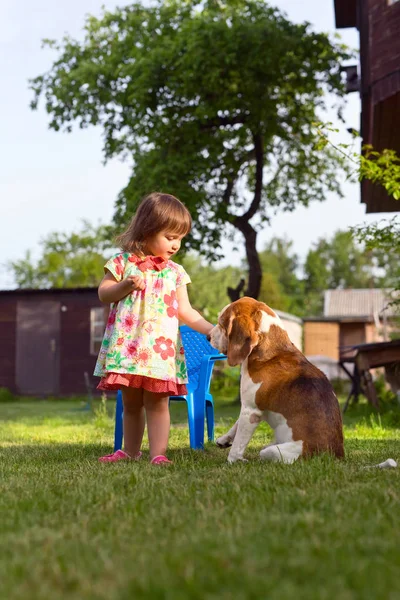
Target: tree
281,287
213,101
209,284
383,240
74,260
382,237
382,169
272,293
342,262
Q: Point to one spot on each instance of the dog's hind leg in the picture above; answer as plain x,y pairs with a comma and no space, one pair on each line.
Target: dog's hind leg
226,440
287,452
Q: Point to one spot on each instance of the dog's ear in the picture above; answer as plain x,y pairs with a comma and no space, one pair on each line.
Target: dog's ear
241,340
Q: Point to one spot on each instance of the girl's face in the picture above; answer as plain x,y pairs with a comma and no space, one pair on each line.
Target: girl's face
164,244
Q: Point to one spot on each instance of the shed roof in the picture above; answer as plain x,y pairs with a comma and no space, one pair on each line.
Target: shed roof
44,291
359,303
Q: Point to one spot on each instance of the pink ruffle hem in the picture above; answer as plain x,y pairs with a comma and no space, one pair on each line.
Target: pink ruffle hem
114,381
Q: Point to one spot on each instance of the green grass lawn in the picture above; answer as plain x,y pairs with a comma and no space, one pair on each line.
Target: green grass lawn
201,529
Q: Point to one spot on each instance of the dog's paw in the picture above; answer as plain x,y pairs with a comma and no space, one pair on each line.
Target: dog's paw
233,459
223,442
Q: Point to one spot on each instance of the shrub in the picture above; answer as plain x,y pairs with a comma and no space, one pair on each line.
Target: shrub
6,395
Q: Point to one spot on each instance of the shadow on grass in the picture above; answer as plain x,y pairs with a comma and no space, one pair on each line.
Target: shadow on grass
36,412
359,452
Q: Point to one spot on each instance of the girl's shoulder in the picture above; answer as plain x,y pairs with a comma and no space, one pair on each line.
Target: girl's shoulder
182,278
117,263
176,267
119,257
173,265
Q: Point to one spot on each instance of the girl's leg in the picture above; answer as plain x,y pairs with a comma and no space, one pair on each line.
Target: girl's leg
134,422
158,422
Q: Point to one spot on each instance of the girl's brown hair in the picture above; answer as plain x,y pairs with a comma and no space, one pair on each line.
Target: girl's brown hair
156,212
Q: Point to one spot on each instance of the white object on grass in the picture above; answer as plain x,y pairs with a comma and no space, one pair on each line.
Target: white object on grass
390,463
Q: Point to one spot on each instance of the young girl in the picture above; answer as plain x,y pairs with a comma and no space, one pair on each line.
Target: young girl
142,352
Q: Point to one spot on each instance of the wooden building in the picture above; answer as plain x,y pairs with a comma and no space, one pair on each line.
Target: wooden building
378,22
49,339
351,317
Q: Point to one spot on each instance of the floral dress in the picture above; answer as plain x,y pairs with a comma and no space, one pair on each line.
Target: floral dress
142,345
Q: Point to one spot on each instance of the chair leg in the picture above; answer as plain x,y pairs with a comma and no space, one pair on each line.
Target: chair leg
210,420
196,417
118,432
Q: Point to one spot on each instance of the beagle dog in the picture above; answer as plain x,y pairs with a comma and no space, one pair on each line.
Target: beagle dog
278,385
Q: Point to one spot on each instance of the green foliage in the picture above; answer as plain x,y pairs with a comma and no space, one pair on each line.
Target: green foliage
387,399
383,238
381,168
281,286
101,418
213,101
225,380
342,262
6,395
272,292
208,290
68,260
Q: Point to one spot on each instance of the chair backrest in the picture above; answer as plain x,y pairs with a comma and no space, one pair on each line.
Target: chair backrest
196,347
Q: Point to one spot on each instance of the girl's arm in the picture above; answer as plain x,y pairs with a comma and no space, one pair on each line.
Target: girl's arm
189,315
111,290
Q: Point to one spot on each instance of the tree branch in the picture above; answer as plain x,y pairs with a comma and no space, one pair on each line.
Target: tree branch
259,153
226,198
223,122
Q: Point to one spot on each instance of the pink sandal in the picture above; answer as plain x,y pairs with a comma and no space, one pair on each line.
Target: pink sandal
160,460
119,455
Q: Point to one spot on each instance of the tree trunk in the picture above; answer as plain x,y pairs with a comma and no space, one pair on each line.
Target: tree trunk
243,224
253,260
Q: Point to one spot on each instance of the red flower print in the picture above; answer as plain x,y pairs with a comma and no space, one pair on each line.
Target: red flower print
129,322
143,356
120,341
181,350
164,347
172,303
119,268
111,318
131,348
158,284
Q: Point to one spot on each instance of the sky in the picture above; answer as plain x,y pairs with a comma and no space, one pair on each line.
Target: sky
50,181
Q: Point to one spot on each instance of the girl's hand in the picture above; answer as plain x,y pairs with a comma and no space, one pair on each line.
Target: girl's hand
135,283
111,290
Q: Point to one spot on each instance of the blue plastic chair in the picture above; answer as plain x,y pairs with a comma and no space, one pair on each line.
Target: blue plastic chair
200,358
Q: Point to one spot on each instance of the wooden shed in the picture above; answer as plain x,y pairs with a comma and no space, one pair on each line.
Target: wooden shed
49,339
378,22
350,317
324,336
